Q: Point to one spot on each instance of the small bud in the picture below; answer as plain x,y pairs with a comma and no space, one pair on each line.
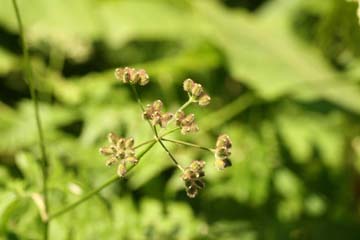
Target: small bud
189,119
204,100
144,77
132,76
221,164
106,151
197,90
155,119
223,141
129,142
113,138
111,161
191,191
165,118
197,165
119,73
188,84
121,170
120,144
157,105
128,75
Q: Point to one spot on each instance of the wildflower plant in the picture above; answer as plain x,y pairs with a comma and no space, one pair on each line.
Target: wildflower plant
122,150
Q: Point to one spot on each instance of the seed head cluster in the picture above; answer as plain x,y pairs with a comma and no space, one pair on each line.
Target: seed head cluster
132,76
186,122
223,152
121,151
197,92
193,178
155,116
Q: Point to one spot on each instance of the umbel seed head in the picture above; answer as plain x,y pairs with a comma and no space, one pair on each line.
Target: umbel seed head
197,92
132,76
121,150
223,152
154,114
192,177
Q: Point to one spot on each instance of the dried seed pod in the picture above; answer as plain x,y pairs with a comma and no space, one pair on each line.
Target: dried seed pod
223,141
132,76
157,105
120,150
165,118
188,85
120,143
121,170
111,161
144,77
197,90
221,164
113,138
106,151
204,100
192,177
129,142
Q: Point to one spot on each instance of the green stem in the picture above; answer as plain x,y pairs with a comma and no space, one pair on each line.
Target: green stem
29,78
133,88
188,144
170,155
169,132
84,198
185,105
145,143
96,190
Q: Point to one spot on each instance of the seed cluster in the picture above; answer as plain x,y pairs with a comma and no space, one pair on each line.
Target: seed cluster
153,113
132,76
193,178
121,150
186,122
223,152
197,92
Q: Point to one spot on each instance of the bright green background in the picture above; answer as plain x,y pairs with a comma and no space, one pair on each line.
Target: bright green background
284,76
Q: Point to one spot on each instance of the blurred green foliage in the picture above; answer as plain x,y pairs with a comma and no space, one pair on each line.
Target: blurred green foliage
284,76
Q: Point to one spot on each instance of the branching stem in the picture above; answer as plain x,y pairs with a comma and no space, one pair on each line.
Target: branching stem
156,134
188,144
96,190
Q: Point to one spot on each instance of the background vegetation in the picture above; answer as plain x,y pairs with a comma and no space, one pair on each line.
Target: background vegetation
284,76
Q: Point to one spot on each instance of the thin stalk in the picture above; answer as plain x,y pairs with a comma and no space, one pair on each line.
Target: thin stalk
185,105
170,155
84,198
96,190
138,99
169,132
188,144
29,78
145,143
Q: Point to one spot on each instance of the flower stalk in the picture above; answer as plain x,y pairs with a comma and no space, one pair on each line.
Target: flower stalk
29,79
